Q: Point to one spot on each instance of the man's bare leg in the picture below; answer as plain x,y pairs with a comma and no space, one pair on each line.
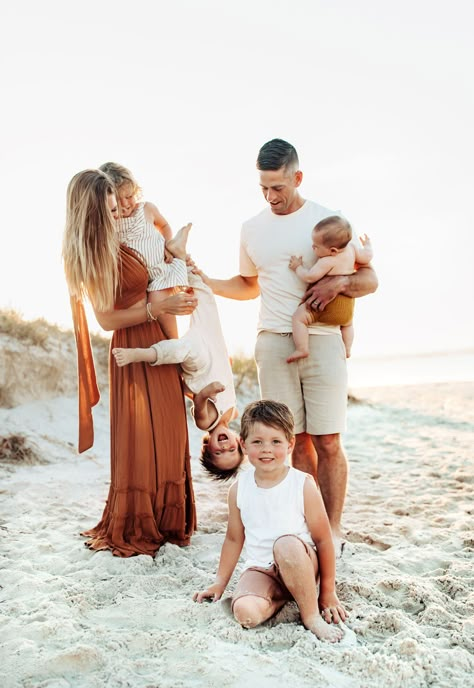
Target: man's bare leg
297,572
304,456
125,356
332,478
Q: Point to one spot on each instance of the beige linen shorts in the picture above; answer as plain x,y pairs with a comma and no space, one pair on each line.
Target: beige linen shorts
314,388
267,582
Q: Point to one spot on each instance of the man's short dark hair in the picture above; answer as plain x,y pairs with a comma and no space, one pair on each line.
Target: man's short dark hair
276,154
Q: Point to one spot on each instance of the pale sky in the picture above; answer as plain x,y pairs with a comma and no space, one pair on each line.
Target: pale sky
376,97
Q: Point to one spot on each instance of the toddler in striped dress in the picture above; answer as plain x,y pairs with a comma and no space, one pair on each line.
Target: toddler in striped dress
164,255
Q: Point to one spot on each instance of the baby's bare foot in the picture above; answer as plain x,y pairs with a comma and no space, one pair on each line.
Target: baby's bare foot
177,245
125,356
324,631
296,355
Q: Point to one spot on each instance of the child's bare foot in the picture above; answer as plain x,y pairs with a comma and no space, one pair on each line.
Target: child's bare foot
348,353
177,245
125,356
324,631
296,355
212,389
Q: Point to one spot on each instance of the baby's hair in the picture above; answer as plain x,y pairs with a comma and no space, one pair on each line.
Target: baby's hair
272,413
207,462
120,176
335,231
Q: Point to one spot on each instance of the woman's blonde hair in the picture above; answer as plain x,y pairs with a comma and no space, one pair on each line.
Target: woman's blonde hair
90,243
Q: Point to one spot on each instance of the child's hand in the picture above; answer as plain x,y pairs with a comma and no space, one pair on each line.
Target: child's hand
215,591
331,609
364,240
295,262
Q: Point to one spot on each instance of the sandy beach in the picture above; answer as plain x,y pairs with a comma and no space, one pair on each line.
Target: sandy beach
70,617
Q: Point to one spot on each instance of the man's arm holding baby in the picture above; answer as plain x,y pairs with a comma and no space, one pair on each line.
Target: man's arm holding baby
230,553
360,283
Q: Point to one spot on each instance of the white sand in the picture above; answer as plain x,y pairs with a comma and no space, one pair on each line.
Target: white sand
70,617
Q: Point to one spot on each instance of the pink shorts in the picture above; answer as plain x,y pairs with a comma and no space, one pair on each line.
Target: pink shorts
267,582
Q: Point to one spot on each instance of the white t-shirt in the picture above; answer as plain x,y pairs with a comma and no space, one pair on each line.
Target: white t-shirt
267,242
268,513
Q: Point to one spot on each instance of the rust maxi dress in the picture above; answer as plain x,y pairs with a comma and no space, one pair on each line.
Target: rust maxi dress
151,499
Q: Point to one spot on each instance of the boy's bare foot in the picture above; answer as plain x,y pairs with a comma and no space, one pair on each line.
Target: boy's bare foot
296,355
331,633
125,356
177,245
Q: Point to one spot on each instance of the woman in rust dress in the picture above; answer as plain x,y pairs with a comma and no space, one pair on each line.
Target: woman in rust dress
151,498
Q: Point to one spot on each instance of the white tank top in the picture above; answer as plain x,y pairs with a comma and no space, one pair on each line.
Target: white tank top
268,513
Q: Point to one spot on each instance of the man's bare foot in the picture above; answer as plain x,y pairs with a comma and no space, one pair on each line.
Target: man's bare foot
339,544
296,355
331,633
177,245
125,356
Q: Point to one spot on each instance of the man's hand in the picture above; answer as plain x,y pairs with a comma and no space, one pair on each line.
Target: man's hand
324,291
295,262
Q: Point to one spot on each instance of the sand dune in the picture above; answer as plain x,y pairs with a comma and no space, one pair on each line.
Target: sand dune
70,617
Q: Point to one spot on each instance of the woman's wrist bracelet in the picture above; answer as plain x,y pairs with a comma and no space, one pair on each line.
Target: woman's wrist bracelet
149,314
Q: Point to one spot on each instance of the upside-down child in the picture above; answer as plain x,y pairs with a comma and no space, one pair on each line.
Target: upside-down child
137,225
335,254
207,373
277,512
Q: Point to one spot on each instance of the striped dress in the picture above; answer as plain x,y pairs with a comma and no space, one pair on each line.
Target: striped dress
138,233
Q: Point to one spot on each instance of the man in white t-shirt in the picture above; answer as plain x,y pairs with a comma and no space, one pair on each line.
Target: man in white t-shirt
315,388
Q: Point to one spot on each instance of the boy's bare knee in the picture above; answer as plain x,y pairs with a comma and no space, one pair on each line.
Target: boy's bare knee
248,612
288,550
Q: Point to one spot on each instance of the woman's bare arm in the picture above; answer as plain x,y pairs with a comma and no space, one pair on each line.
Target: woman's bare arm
181,303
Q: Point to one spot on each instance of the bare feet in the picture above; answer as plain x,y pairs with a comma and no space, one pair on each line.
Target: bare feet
125,356
296,355
339,544
177,245
210,390
324,631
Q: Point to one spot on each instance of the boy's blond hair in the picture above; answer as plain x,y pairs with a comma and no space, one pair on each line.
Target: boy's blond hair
272,413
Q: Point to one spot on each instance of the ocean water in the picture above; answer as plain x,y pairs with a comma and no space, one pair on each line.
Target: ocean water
453,366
